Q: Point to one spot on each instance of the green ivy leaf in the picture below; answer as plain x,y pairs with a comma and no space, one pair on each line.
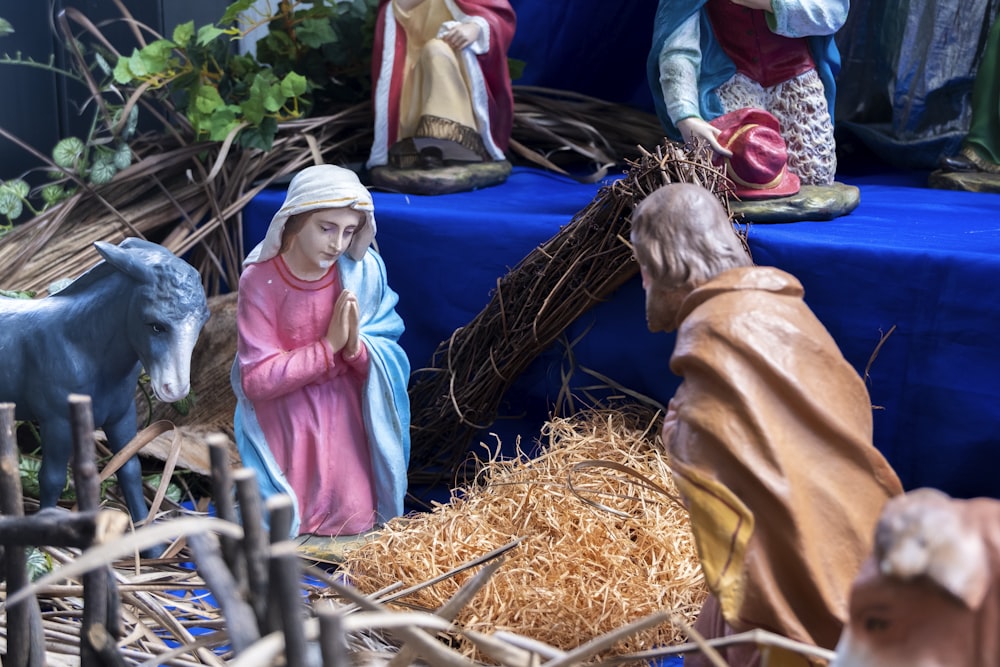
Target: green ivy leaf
222,122
293,85
183,33
173,492
184,405
260,137
122,157
38,563
154,58
267,91
253,109
103,169
234,10
516,68
208,34
122,72
102,63
10,204
28,468
315,32
275,47
67,152
18,187
6,28
132,122
17,294
12,196
207,99
53,194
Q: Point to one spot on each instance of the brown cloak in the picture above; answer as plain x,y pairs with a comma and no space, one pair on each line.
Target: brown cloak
770,439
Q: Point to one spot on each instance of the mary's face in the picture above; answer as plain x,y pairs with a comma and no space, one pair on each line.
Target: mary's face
325,235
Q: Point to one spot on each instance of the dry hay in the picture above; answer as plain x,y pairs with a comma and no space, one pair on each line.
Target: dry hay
460,390
580,570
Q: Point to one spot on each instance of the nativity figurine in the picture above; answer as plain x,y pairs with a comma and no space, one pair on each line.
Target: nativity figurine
142,307
768,436
976,166
441,93
322,411
711,57
929,593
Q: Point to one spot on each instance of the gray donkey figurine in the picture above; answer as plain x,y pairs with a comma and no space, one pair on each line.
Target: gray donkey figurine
143,307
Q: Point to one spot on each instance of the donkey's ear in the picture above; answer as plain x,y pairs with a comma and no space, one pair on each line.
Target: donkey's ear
128,262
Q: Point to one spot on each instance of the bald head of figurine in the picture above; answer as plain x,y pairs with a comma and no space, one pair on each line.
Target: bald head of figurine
682,238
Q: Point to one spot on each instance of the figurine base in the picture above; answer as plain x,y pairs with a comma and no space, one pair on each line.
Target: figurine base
969,181
811,202
329,548
443,180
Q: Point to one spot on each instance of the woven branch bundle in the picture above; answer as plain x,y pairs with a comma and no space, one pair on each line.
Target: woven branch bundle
603,540
459,393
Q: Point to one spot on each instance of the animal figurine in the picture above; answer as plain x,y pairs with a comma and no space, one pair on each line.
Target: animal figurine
929,592
142,307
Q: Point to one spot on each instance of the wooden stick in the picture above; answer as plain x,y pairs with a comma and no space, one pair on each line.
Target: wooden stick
255,540
104,646
280,510
285,597
225,507
52,527
333,638
96,582
240,622
25,636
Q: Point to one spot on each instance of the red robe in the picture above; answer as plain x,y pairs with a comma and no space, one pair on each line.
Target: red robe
495,114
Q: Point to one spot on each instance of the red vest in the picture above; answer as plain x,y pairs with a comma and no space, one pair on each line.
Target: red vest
765,57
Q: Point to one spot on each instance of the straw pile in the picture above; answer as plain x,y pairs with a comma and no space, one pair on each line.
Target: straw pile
599,546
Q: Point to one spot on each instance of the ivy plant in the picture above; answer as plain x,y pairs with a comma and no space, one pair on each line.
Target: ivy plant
314,56
219,92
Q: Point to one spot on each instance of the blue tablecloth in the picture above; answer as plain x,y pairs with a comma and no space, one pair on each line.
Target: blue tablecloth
924,261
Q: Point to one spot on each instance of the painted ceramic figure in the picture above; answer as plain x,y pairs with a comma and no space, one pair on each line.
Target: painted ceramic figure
710,57
929,594
442,91
769,434
980,149
142,307
322,411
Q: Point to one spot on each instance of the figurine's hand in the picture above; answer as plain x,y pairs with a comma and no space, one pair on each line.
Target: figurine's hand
462,35
693,126
755,4
339,330
353,346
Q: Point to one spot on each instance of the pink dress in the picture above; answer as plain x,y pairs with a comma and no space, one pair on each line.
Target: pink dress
306,397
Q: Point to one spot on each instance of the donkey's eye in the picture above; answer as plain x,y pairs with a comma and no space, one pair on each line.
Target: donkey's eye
157,327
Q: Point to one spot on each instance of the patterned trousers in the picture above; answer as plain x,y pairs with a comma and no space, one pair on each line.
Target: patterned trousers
800,106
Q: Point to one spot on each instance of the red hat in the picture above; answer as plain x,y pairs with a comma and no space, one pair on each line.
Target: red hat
759,165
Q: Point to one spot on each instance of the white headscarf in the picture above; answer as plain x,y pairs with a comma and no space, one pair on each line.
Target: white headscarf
316,187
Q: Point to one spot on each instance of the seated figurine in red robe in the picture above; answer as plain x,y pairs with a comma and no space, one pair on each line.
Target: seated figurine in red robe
441,85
